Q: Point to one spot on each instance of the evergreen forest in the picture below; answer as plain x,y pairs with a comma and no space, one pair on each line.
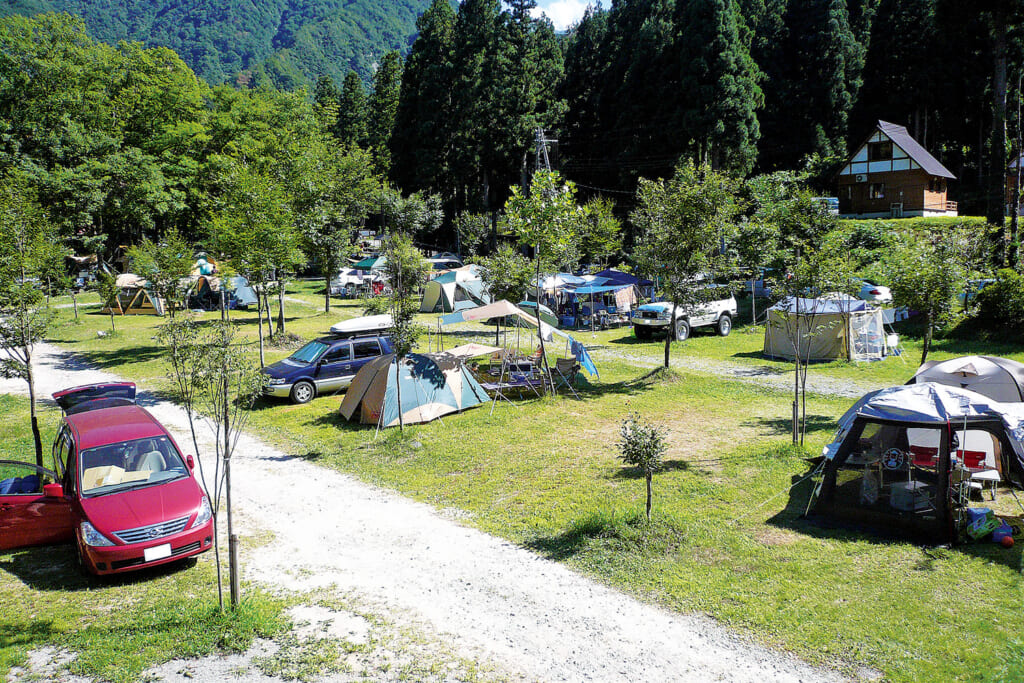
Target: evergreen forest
124,141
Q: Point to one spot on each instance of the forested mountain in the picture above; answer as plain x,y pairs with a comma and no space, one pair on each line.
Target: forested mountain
284,42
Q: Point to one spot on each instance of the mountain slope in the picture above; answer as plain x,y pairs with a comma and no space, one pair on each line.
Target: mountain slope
291,42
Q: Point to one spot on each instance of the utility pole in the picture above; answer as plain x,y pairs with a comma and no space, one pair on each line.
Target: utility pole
542,143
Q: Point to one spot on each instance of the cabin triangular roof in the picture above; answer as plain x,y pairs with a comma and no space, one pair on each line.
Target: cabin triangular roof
902,138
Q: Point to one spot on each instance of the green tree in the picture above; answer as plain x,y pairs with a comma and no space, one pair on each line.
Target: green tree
352,111
106,287
643,446
406,271
506,273
601,232
333,189
549,220
720,81
28,248
383,109
326,103
417,215
165,265
683,221
925,274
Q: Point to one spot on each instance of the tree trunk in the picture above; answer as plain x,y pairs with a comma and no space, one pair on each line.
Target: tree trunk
74,302
648,477
280,308
327,292
997,167
671,334
398,395
259,326
540,331
36,437
927,338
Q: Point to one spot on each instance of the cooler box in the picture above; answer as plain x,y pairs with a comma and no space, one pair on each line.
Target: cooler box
909,496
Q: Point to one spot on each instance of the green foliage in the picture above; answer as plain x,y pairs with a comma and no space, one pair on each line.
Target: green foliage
406,271
382,110
506,274
473,232
600,232
376,305
351,128
999,307
547,219
165,265
642,445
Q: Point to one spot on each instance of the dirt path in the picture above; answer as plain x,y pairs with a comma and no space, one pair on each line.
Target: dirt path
491,601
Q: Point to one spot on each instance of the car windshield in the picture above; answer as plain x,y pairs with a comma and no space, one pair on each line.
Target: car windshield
130,464
309,353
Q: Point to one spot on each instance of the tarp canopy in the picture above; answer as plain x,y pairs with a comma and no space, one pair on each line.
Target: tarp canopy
500,309
454,290
546,314
1001,379
836,327
618,277
472,350
587,290
370,263
892,463
420,388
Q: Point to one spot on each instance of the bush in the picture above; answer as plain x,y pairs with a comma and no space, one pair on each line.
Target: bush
1000,306
375,305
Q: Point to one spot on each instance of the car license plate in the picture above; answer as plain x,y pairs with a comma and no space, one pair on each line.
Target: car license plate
157,552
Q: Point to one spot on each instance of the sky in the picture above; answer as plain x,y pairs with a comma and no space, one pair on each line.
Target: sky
562,13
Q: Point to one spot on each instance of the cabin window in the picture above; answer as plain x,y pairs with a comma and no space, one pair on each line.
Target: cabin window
880,151
937,185
876,191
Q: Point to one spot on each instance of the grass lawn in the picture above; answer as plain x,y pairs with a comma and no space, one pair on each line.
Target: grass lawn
726,539
118,627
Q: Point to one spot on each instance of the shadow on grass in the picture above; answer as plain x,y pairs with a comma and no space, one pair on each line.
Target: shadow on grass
791,517
90,360
583,532
55,568
627,472
784,425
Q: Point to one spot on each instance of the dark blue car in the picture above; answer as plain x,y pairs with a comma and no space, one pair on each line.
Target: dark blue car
322,366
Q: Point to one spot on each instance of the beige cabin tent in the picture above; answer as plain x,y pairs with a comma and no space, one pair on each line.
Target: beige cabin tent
134,298
829,328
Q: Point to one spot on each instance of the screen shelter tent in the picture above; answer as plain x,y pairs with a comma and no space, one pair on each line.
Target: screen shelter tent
903,459
432,385
1001,379
454,290
134,297
831,327
205,291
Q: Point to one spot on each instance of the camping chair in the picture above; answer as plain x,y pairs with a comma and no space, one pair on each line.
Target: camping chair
981,474
566,370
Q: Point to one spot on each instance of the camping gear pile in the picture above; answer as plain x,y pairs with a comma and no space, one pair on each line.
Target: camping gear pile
907,459
601,300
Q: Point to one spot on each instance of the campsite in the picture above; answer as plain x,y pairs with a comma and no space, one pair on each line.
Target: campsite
725,519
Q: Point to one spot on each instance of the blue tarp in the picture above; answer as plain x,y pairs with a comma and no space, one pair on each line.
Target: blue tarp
586,362
619,278
587,290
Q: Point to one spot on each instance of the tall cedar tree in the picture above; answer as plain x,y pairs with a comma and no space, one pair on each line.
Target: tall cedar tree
421,146
720,79
326,101
352,111
383,108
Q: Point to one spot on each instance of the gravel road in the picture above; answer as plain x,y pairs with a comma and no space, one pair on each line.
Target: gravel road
492,602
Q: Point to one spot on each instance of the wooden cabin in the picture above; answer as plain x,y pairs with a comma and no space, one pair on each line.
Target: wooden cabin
892,176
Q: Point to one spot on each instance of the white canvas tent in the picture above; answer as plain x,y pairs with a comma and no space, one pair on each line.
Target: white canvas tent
1001,379
831,327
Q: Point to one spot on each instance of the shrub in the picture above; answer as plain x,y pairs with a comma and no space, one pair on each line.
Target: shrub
1000,306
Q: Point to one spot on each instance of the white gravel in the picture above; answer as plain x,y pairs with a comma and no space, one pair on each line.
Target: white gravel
493,602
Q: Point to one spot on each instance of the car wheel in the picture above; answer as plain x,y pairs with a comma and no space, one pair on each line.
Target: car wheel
682,330
724,325
641,332
303,392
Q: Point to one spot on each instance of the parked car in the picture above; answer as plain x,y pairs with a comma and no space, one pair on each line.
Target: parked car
876,294
655,318
119,487
971,291
322,365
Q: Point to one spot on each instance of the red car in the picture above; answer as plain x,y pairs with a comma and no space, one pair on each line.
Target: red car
120,487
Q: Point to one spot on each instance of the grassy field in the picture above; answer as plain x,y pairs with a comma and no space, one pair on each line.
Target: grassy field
726,539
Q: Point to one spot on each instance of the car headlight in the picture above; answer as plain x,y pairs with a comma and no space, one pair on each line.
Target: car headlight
204,514
664,315
276,380
92,537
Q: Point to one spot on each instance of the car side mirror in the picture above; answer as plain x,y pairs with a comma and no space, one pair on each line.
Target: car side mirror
53,490
190,461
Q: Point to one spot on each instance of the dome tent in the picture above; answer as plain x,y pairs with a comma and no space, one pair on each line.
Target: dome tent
1001,379
890,466
432,385
834,326
454,290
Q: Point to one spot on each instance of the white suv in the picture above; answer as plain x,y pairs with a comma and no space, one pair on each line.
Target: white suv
651,319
